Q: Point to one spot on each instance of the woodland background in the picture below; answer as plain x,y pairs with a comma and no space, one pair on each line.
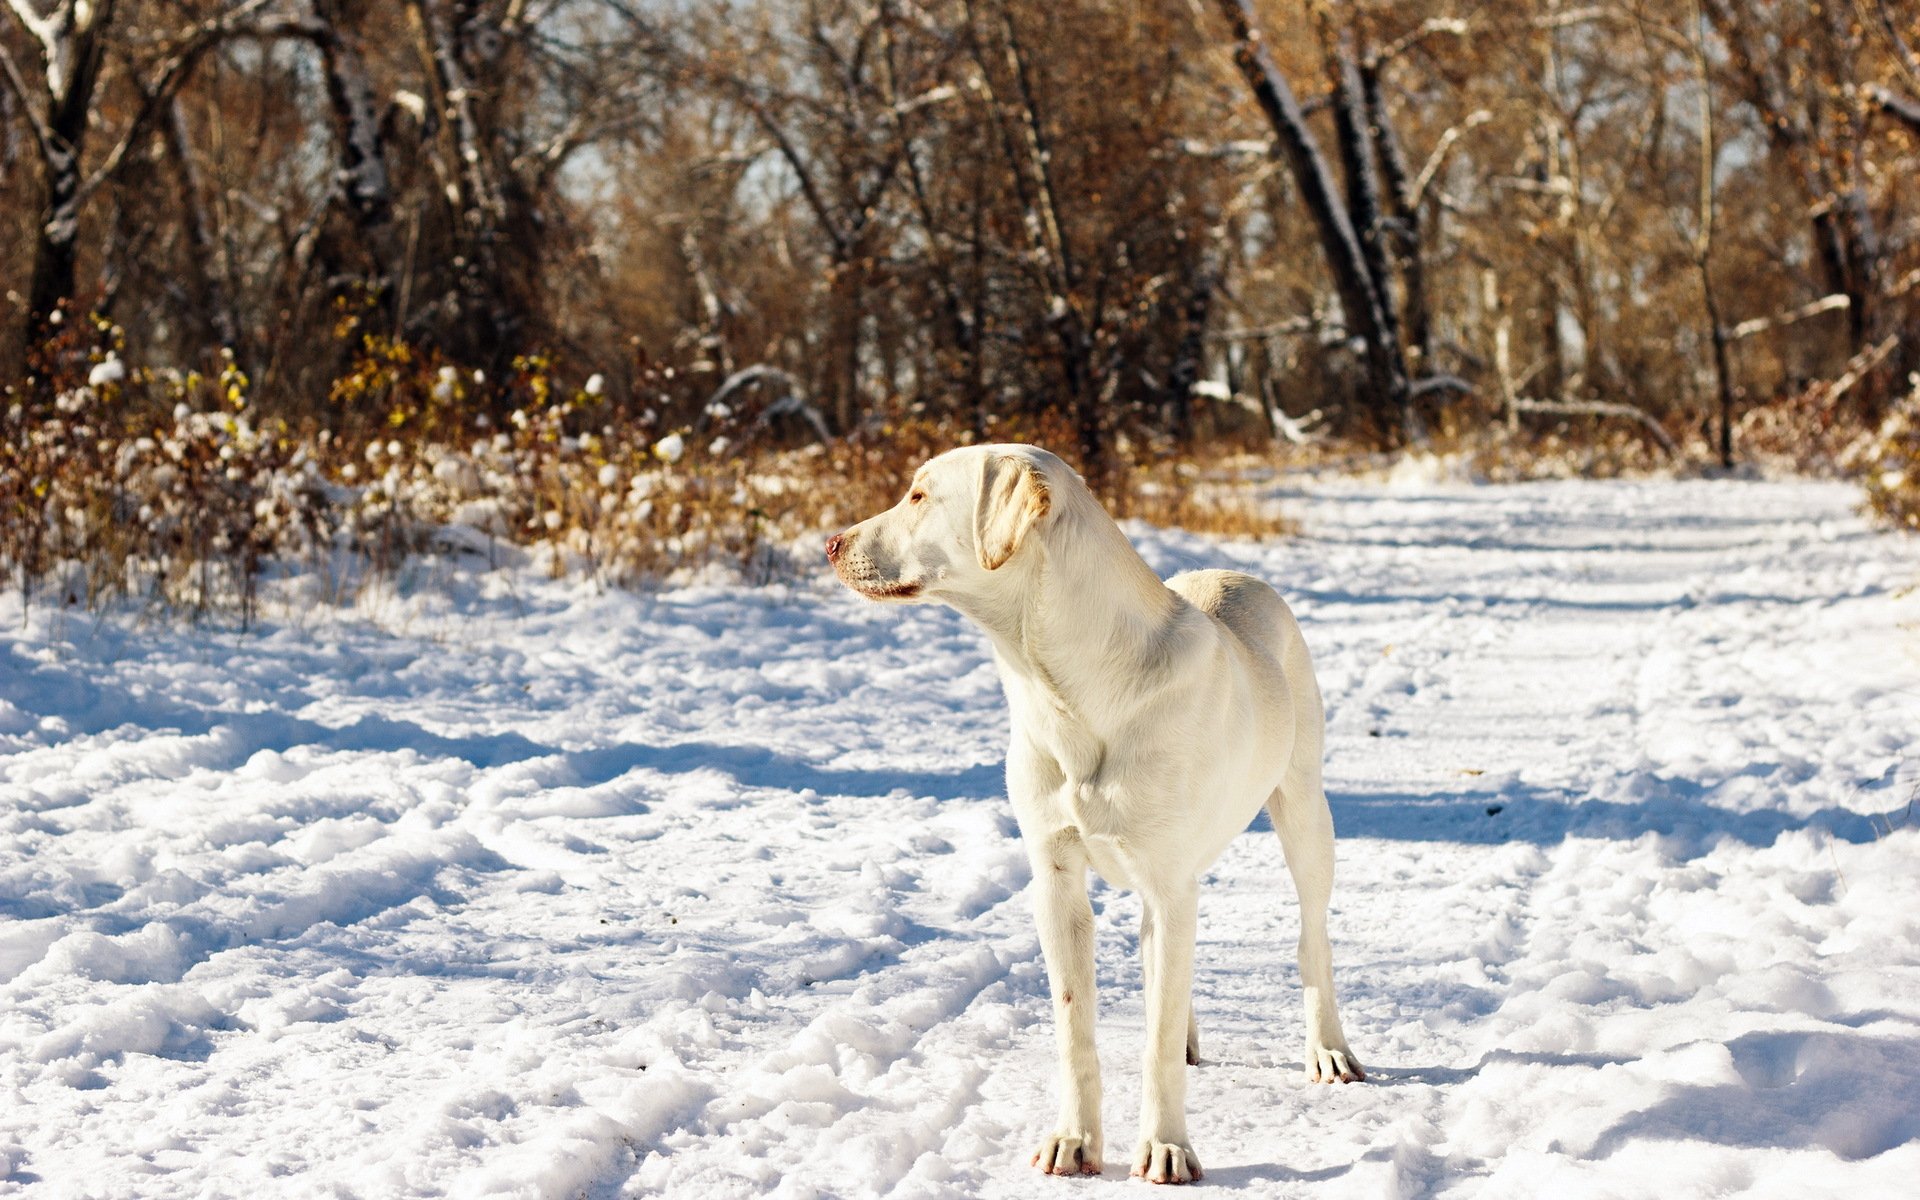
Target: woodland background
564,256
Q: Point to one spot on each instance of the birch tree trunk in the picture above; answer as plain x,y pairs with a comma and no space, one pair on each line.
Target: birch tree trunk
461,43
72,45
362,174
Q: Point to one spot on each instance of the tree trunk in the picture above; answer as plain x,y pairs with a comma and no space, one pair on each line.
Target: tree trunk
492,283
56,254
844,292
1351,121
1365,299
70,84
361,172
1189,357
1403,226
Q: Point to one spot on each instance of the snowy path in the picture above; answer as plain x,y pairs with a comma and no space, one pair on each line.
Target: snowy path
713,893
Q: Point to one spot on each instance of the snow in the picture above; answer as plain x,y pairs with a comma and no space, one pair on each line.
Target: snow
498,885
108,370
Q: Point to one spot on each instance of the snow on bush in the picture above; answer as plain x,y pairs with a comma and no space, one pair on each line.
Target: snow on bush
168,486
171,487
1888,463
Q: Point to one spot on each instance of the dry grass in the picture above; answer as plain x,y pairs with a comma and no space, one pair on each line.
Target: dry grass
171,491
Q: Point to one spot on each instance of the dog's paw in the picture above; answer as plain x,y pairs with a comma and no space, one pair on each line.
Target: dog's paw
1069,1154
1165,1162
1333,1064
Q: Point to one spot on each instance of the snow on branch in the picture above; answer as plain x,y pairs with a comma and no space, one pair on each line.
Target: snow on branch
1442,382
791,401
41,28
1902,108
1407,41
1746,329
1239,148
1454,133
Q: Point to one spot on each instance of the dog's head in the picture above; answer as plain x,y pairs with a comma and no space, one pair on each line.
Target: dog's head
967,514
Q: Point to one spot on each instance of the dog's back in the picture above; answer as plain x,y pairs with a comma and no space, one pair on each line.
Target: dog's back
1248,606
1253,612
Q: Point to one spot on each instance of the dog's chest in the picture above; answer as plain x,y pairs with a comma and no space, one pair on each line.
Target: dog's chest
1099,778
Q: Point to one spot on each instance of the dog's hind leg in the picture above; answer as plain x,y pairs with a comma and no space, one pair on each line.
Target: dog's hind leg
1305,825
1193,1021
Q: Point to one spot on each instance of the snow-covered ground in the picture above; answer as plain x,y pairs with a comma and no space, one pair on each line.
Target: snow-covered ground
714,892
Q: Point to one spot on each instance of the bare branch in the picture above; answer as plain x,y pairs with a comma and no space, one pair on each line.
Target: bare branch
1454,133
1442,382
822,211
1573,16
1746,329
1407,41
1289,327
173,71
18,84
1904,109
1828,394
1903,53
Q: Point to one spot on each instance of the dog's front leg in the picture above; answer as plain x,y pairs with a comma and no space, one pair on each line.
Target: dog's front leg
1166,950
1066,939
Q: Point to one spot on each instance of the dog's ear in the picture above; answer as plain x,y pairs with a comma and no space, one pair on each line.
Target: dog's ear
1013,495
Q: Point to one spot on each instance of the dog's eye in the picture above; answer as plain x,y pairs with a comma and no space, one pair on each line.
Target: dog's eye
916,497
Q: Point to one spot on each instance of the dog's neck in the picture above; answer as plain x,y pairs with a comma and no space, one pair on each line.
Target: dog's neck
1086,611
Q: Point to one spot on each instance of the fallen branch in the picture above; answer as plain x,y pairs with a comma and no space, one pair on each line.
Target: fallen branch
1300,430
1899,107
791,402
1598,408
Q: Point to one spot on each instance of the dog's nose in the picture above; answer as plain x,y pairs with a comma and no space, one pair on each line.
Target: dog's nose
835,545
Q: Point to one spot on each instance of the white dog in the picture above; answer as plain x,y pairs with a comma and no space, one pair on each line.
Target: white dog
1150,722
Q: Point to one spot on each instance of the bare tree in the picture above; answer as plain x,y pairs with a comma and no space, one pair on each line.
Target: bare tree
71,40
